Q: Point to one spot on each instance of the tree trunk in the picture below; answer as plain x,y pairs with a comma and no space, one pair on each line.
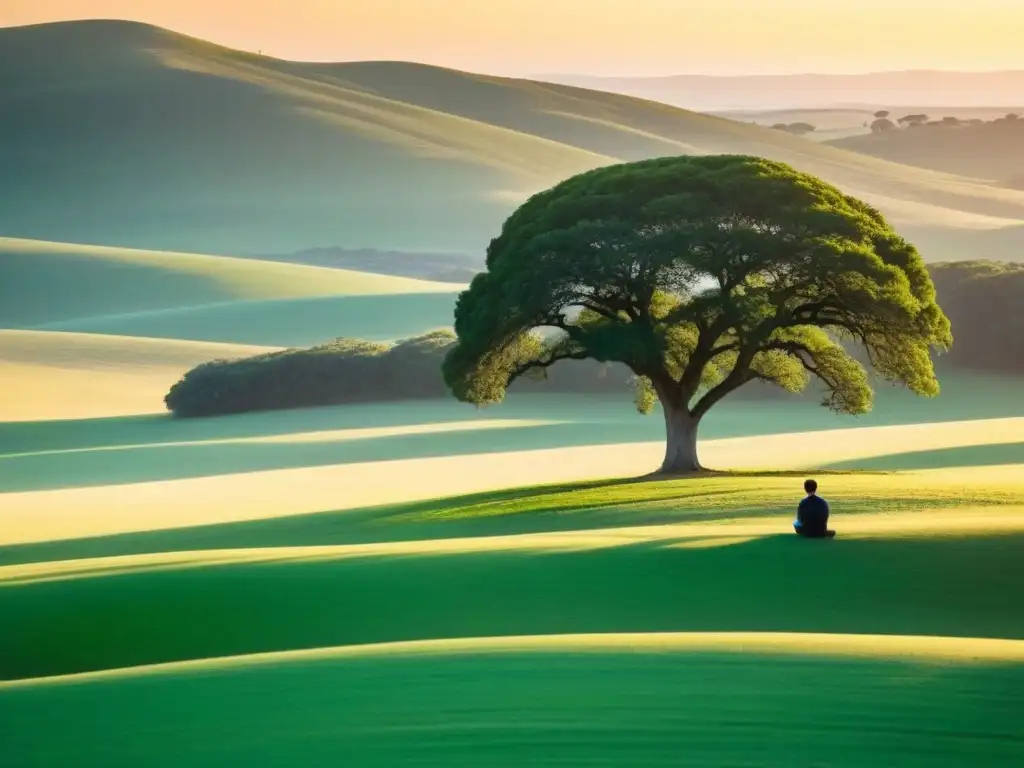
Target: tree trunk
680,441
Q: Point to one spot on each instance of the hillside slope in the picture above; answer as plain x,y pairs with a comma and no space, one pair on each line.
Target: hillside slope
529,626
78,376
142,137
993,150
46,283
281,322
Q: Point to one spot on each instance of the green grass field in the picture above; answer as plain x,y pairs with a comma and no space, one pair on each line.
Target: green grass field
162,616
425,583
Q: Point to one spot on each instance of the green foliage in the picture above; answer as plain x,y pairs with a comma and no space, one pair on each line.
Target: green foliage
700,274
796,128
985,303
644,395
353,371
344,370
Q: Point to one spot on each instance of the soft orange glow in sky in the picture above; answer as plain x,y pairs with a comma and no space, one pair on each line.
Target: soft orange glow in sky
592,36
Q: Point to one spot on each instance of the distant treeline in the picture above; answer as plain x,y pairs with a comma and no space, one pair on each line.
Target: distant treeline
984,301
353,371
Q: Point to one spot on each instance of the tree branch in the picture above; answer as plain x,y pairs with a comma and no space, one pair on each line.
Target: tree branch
602,311
738,376
722,349
523,368
704,353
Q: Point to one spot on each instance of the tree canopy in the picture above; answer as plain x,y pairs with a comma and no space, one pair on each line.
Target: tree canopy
913,120
796,128
700,274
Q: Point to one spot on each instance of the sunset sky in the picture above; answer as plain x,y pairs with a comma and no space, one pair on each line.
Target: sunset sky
628,37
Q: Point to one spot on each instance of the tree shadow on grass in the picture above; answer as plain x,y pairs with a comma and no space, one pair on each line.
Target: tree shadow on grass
137,464
159,429
80,434
964,456
184,455
538,509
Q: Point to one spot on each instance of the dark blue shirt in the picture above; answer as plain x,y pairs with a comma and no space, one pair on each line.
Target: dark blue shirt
813,513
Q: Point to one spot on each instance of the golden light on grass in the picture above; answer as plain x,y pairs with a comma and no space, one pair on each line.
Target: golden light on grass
961,521
104,510
53,375
918,648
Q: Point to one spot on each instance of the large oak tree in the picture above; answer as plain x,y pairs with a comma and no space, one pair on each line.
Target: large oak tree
701,274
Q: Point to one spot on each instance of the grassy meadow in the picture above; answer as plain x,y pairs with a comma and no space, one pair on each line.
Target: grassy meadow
430,584
426,583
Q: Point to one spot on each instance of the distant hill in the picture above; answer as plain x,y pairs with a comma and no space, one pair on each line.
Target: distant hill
135,136
60,282
839,123
876,90
280,322
992,150
124,292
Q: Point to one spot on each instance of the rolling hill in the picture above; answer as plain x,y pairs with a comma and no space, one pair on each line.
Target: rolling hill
363,584
992,150
88,331
615,622
206,298
79,282
142,137
282,322
75,376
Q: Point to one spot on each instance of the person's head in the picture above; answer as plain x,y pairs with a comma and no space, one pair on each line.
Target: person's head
810,486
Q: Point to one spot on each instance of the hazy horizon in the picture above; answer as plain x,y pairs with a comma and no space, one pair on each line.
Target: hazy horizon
621,38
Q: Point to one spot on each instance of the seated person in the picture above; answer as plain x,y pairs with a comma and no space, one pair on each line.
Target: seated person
812,514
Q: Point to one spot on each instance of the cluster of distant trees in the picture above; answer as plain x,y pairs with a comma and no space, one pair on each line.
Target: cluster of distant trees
798,129
983,300
883,124
354,371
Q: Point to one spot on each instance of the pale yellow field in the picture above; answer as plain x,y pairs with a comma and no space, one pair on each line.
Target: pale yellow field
53,375
43,515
